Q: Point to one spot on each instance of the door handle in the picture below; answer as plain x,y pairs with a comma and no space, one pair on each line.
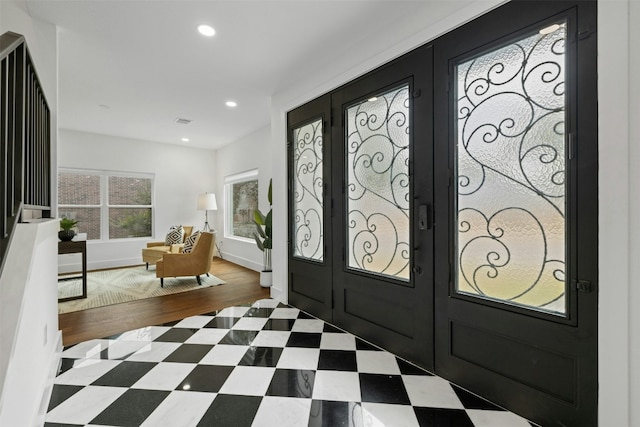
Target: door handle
425,220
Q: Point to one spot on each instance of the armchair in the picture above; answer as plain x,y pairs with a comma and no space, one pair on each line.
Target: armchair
155,250
195,263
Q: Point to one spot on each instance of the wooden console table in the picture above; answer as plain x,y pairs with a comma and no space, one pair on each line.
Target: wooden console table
74,247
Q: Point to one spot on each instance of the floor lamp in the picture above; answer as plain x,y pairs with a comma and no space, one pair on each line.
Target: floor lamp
206,203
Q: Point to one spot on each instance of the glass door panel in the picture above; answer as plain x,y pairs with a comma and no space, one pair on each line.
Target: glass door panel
377,187
308,191
511,172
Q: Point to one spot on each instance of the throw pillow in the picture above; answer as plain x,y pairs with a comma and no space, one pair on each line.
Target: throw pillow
190,242
174,236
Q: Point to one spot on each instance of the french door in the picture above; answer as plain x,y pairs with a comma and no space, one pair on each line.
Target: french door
361,237
444,206
310,237
516,258
383,272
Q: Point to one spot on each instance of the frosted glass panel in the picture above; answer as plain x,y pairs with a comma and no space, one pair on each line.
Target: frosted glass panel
511,173
377,185
308,187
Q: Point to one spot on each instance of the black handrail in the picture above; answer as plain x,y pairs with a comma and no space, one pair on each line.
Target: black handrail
25,139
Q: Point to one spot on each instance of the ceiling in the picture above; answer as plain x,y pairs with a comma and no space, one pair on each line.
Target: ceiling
132,67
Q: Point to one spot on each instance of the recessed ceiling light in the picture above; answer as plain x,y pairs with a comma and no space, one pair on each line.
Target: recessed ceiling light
206,30
231,104
184,139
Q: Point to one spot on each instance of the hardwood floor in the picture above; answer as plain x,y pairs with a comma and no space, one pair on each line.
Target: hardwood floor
242,286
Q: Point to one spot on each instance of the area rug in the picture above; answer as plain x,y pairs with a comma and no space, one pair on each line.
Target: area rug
122,285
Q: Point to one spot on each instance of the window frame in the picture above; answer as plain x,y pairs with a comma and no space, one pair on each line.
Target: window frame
104,205
250,175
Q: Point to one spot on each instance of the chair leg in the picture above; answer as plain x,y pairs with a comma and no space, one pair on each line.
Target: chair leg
147,266
198,279
162,282
207,274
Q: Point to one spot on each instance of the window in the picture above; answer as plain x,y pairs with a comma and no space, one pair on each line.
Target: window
107,205
511,172
308,187
79,199
241,195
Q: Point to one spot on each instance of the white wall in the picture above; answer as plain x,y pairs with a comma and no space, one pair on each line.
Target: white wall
181,173
634,212
619,175
619,205
250,152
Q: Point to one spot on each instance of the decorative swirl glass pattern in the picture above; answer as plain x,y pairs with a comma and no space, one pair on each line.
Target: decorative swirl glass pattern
308,186
511,173
378,184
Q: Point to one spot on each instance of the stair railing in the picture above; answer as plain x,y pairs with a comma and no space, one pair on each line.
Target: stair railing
25,139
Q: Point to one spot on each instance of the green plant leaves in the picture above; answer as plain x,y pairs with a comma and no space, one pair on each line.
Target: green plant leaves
264,230
258,217
67,223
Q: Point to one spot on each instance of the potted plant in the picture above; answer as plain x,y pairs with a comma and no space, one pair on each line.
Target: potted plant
263,236
67,232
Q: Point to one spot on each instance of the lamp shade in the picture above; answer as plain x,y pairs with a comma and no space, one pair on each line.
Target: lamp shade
207,202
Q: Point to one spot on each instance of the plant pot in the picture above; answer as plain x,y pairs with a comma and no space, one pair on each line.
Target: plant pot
266,279
66,235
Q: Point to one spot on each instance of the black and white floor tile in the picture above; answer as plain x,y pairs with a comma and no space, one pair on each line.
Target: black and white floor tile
266,364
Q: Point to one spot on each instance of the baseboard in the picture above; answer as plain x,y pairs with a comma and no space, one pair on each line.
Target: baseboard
278,294
252,265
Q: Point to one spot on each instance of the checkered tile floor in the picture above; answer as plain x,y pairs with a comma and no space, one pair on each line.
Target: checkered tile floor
266,364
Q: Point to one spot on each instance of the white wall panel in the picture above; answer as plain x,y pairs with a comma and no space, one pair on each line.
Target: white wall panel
30,343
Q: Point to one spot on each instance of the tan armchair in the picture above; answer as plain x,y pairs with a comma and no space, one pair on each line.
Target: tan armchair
155,250
195,263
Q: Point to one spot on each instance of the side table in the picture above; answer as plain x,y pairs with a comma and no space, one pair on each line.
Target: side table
73,247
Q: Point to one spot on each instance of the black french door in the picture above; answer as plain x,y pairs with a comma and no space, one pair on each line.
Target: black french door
382,157
310,232
516,210
444,207
361,236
